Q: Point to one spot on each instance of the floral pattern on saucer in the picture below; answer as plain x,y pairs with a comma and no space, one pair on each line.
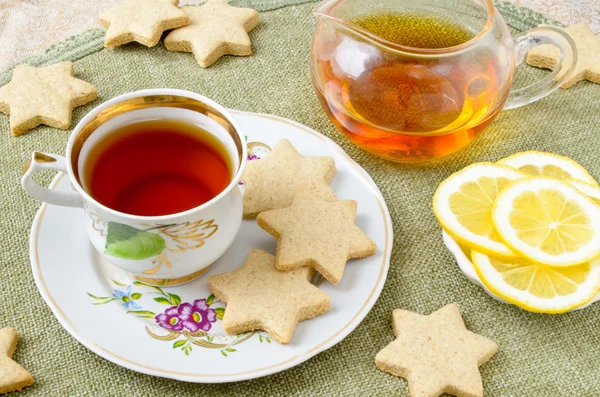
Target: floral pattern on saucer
187,324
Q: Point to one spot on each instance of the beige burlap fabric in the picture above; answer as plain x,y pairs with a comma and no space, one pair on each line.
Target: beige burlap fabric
540,355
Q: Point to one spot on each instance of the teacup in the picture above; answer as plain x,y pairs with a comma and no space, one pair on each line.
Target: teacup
159,250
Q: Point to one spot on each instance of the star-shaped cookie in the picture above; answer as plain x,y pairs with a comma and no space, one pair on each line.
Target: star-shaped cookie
215,29
143,21
259,296
436,353
316,233
45,95
588,55
272,182
12,375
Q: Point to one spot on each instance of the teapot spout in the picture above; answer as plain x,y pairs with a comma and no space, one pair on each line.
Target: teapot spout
327,8
341,13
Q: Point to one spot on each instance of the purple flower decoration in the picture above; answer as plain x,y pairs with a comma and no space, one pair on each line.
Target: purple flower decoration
197,316
127,298
170,319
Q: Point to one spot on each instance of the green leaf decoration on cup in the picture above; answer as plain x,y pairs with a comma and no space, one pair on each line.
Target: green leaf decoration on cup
127,242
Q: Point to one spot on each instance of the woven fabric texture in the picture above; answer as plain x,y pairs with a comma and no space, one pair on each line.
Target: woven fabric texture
539,355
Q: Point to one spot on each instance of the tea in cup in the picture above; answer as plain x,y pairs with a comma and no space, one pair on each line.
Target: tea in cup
156,173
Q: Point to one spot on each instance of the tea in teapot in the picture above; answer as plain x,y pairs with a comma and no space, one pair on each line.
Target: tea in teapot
412,81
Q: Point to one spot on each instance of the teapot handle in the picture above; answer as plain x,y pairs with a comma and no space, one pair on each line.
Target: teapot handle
561,72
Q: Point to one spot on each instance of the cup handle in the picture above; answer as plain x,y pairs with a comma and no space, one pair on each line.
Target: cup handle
539,89
42,161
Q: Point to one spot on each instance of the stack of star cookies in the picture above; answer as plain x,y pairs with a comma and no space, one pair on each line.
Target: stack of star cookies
208,31
289,196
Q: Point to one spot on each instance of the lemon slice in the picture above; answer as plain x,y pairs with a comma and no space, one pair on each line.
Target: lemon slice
551,165
548,221
536,287
463,205
592,191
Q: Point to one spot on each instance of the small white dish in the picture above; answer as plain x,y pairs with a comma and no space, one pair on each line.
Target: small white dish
115,316
466,266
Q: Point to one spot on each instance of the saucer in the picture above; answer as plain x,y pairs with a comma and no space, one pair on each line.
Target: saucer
119,319
467,267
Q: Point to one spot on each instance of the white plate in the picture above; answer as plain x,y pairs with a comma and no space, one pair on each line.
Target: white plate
466,266
67,269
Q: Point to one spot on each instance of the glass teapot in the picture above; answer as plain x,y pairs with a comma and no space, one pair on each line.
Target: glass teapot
412,80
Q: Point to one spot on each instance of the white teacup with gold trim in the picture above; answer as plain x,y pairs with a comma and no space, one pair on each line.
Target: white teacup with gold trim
159,249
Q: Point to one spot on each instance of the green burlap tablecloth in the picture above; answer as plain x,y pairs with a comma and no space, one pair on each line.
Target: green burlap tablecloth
540,355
